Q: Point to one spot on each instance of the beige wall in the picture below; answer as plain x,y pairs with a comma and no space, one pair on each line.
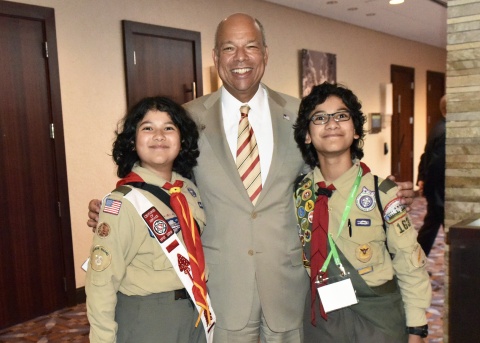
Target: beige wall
93,87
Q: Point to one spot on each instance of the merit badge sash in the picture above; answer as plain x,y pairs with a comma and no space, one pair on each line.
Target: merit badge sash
173,249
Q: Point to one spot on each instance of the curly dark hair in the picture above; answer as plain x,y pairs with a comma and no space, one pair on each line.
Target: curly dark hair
317,96
124,153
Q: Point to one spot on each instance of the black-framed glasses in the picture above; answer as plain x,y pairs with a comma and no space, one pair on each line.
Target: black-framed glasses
323,118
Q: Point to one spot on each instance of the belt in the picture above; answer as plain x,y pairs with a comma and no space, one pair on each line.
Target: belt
181,294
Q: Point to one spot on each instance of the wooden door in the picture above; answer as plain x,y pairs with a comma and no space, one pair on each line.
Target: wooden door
161,61
36,256
435,91
402,79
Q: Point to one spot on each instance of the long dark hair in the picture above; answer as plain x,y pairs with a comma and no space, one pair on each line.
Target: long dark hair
317,96
124,153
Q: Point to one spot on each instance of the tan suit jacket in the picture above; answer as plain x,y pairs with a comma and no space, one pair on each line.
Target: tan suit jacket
243,242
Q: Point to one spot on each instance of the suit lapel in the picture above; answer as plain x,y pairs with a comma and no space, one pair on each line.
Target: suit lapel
215,135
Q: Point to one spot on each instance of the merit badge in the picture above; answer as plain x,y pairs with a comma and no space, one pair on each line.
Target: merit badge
103,230
363,222
192,192
366,200
298,201
307,235
418,257
301,212
307,194
310,217
394,211
307,184
304,224
100,258
309,206
363,253
112,206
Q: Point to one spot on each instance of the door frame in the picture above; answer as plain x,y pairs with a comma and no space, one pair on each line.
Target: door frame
47,16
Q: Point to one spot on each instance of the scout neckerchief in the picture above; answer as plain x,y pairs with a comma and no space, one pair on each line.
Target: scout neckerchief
191,270
305,210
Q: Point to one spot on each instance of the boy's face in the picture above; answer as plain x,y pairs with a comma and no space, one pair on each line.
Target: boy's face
333,138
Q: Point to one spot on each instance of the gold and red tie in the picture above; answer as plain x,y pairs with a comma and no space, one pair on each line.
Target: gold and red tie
191,238
248,159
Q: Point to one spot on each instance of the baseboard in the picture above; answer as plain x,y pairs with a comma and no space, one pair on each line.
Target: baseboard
81,297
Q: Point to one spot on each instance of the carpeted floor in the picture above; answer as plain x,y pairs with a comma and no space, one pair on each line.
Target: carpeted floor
71,325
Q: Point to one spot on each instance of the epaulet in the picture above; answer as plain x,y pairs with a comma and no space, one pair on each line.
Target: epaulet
122,189
386,185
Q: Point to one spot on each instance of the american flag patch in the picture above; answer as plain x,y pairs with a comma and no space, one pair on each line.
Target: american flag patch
112,206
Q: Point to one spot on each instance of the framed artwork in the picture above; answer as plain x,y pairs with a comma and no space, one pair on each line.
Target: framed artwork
317,67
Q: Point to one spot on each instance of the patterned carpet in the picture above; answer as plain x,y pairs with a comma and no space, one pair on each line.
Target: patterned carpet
71,325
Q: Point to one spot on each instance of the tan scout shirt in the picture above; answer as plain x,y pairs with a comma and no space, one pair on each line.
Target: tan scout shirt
131,261
365,244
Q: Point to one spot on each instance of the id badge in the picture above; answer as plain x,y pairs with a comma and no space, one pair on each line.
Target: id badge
339,293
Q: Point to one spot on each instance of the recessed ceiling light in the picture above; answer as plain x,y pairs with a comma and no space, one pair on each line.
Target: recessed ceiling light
332,2
396,2
370,14
353,9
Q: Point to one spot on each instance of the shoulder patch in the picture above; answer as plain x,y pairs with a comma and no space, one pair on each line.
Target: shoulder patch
394,211
386,185
100,258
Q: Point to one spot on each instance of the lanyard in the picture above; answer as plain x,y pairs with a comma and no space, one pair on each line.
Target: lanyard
346,212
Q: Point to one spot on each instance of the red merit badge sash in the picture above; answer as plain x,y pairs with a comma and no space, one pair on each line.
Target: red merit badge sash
173,248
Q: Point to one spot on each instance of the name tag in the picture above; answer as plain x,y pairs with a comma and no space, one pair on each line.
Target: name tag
337,295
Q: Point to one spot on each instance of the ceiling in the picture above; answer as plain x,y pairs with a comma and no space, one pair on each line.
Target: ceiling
424,21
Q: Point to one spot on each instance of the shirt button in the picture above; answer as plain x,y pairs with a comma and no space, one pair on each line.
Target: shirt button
254,215
250,252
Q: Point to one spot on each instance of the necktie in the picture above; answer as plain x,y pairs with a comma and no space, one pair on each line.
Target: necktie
318,253
191,238
248,159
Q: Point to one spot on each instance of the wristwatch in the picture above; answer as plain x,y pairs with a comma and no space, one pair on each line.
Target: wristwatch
421,331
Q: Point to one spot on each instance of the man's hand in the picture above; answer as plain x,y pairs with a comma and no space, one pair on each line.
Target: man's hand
93,210
405,192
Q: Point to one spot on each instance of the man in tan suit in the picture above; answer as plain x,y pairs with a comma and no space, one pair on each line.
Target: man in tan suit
257,282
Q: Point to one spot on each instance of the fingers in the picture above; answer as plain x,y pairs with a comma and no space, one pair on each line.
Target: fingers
93,210
92,223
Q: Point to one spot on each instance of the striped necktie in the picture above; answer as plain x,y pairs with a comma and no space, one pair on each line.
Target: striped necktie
248,159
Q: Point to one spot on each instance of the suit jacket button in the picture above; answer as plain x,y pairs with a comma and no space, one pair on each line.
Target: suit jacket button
250,252
254,215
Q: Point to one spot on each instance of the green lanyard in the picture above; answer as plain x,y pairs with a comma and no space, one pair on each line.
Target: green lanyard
346,212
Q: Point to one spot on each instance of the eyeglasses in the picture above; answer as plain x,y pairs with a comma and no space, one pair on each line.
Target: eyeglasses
323,118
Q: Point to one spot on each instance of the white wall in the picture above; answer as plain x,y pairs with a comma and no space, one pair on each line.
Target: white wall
92,78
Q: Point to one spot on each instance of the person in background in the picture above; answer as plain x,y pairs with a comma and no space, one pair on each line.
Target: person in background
431,181
146,279
257,282
355,232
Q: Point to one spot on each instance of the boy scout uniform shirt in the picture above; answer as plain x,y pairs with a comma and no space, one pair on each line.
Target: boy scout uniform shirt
366,247
131,261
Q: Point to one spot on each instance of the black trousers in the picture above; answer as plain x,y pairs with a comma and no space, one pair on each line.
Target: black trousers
434,218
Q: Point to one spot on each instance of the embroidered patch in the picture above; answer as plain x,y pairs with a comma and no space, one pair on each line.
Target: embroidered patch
307,183
365,270
307,194
301,212
418,257
192,192
363,222
394,211
307,235
160,227
364,253
100,258
304,223
366,200
112,206
103,230
174,224
309,206
310,217
298,201
402,225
